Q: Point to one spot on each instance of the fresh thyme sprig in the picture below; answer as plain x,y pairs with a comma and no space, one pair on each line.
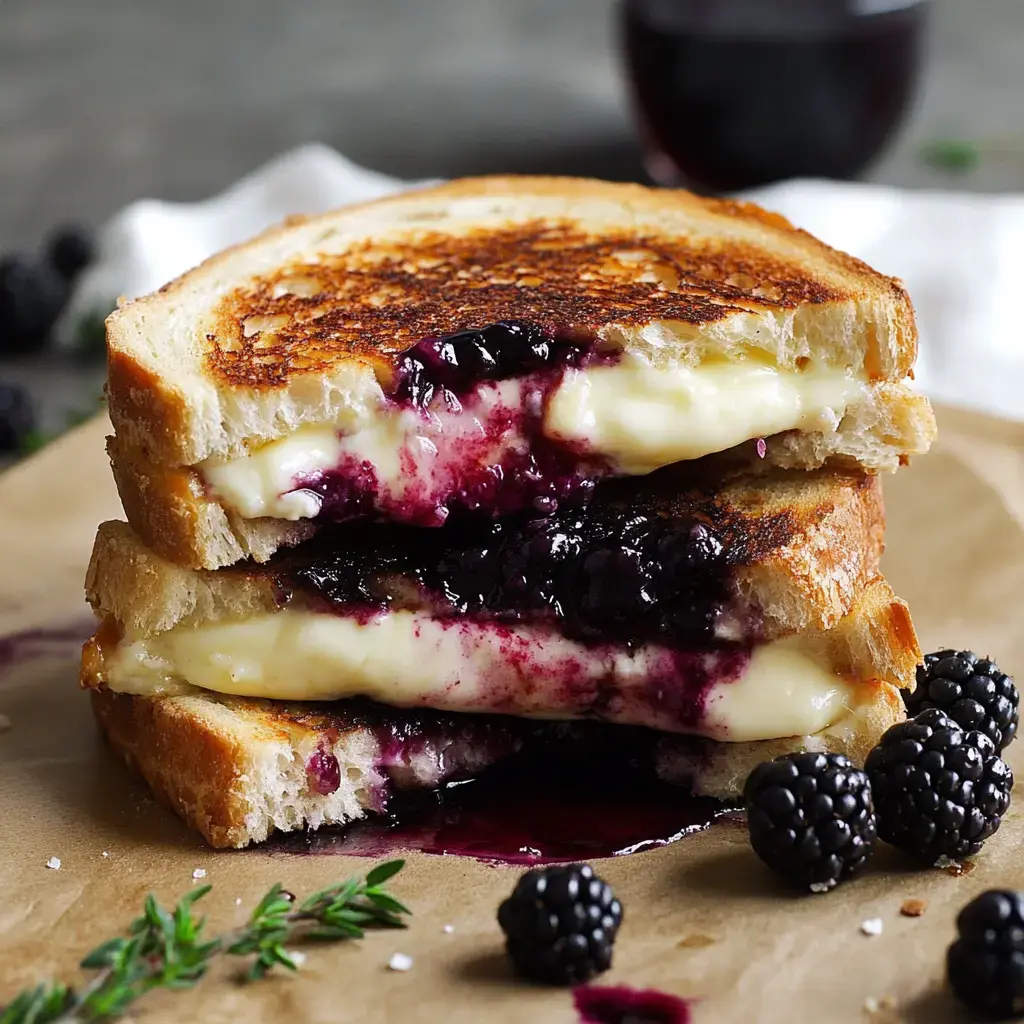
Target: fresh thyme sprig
166,949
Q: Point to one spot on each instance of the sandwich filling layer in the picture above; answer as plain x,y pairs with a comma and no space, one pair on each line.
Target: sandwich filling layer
512,417
731,692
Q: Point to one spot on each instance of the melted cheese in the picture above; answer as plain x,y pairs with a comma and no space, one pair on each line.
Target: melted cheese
408,659
640,418
635,417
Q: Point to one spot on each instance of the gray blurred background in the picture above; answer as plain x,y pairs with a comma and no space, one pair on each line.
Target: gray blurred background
106,101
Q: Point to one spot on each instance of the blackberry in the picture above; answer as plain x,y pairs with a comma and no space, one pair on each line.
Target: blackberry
560,924
69,250
971,690
17,417
940,791
810,817
458,362
985,964
31,298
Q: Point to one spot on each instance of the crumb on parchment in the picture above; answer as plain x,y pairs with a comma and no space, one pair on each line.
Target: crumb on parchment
913,907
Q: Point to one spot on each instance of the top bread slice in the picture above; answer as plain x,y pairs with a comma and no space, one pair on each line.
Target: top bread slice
283,330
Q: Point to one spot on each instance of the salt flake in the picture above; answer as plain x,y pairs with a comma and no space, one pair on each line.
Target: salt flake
448,929
400,962
199,873
872,926
53,863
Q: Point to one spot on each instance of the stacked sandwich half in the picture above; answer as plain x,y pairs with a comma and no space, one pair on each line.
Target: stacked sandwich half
411,483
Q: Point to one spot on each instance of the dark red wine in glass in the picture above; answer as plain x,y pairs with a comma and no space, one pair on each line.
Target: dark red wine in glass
736,93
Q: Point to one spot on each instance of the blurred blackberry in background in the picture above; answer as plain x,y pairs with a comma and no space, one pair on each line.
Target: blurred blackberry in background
17,418
69,250
32,296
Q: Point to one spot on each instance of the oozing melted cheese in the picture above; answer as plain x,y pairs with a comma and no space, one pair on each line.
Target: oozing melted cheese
641,418
634,417
408,659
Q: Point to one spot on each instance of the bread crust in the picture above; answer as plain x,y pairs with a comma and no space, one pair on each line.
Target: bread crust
188,378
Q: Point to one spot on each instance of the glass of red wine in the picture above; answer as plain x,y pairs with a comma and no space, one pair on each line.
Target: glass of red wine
736,93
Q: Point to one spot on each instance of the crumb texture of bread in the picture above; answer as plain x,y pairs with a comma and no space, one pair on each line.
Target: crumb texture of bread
297,325
232,771
238,770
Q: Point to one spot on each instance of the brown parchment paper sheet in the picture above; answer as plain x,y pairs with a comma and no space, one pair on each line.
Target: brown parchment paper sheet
955,552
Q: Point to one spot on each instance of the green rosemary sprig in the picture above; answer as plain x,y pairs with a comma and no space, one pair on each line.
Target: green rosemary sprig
166,949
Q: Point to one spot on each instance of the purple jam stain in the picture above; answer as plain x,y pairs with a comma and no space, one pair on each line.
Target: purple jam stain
506,463
323,773
617,1004
566,802
29,644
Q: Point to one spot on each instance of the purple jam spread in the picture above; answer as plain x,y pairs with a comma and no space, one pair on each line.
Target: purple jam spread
323,773
597,1004
500,464
552,792
607,573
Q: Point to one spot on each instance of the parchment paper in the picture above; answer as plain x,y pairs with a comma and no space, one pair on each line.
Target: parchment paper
955,552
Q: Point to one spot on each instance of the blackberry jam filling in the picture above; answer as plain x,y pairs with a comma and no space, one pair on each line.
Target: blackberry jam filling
604,573
466,433
457,363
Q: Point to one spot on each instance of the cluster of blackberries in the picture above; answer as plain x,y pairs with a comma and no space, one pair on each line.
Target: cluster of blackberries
935,787
33,293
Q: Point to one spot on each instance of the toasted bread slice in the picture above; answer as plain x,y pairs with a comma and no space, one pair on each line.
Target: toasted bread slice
801,547
237,770
306,325
271,334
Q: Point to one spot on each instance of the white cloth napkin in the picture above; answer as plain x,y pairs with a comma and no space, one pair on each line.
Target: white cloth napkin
961,255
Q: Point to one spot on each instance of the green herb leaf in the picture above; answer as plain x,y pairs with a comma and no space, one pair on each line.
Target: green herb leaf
165,949
383,872
951,155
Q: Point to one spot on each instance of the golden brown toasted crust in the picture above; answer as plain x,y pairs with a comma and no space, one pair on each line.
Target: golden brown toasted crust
566,253
191,768
372,305
802,546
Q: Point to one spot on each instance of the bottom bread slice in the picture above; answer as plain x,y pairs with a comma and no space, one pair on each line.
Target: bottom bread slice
237,769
